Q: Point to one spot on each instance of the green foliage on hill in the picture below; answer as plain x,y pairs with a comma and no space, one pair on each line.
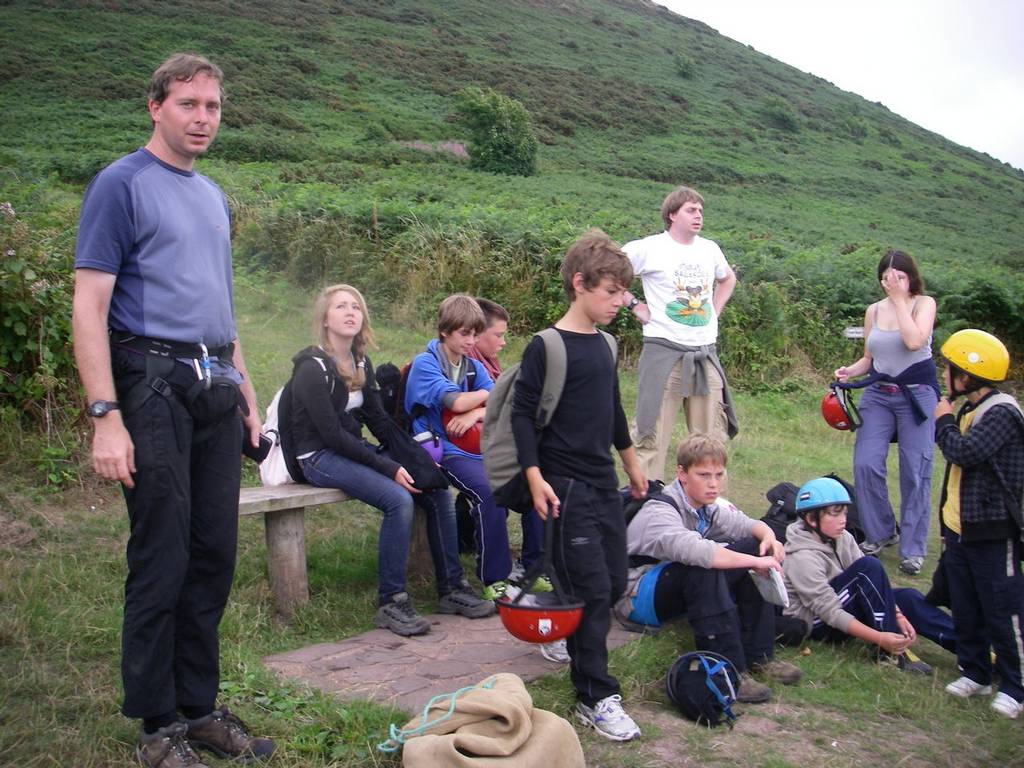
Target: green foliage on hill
336,151
500,129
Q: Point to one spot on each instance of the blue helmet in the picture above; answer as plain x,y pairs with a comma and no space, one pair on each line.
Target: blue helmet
822,492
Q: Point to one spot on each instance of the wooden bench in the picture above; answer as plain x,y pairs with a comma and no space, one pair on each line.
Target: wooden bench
284,516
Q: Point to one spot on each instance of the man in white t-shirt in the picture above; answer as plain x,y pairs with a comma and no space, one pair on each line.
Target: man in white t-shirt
687,282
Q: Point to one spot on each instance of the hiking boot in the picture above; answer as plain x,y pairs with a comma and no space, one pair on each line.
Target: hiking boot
750,691
911,565
400,617
964,687
608,718
167,748
225,735
463,602
874,547
779,671
556,652
1006,705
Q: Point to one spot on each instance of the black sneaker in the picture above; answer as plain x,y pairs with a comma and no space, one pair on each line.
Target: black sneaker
400,617
463,602
908,662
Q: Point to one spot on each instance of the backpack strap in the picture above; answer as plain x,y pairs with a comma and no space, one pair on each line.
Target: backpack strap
555,365
555,369
613,345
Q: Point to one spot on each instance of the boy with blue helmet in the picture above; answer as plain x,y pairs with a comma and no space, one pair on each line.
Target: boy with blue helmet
832,585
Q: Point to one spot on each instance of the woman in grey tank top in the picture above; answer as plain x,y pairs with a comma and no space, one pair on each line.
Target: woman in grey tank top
897,349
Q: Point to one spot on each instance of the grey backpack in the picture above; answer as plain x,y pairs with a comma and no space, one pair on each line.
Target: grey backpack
497,444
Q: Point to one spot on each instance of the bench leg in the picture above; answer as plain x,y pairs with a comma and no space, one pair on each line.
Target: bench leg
286,558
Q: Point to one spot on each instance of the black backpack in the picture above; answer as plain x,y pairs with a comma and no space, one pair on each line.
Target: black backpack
703,686
631,506
655,490
782,511
391,381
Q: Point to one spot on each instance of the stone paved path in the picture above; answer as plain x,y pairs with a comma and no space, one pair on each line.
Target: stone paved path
407,672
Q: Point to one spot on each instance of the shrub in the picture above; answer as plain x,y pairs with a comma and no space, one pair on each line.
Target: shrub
502,138
37,367
779,114
686,68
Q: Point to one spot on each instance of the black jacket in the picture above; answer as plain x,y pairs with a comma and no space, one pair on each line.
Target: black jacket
317,419
991,458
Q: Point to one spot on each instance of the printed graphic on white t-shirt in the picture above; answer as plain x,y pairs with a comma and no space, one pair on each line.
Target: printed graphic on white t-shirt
692,302
679,282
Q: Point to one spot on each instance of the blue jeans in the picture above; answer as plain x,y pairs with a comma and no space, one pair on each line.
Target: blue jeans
885,414
328,469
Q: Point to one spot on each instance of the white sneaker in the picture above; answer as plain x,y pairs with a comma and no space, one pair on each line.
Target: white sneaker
964,687
556,652
1006,705
608,718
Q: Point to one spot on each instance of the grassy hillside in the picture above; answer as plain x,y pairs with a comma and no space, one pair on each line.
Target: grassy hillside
331,103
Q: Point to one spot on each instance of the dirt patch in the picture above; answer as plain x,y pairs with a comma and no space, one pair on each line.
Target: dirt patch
777,734
451,147
14,534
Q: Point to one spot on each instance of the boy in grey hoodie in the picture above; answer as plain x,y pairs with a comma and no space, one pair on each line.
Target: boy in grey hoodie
833,586
689,552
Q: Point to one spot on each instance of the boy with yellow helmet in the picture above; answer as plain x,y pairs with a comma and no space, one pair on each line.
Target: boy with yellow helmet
981,518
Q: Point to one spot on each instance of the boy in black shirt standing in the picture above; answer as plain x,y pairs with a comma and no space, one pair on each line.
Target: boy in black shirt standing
571,473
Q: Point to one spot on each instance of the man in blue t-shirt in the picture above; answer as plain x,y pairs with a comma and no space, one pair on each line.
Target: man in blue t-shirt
171,405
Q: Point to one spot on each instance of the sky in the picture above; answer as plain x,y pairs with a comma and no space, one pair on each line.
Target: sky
955,67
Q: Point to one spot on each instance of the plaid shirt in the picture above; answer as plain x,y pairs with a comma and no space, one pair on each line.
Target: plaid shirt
991,457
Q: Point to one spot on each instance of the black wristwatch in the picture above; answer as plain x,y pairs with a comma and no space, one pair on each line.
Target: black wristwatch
632,303
101,408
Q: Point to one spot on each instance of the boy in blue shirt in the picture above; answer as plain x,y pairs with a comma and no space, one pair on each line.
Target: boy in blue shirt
445,393
571,473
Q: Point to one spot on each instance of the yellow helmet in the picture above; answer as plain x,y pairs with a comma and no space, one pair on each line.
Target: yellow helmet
977,353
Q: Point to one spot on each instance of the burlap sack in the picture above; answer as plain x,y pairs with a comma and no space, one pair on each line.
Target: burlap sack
496,726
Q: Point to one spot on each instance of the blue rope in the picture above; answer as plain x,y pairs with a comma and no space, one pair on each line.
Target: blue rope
398,736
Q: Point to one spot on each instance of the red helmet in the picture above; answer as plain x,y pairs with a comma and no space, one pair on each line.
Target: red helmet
540,617
469,441
839,410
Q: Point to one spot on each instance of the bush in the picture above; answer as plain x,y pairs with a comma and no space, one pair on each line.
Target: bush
37,368
779,114
686,68
502,138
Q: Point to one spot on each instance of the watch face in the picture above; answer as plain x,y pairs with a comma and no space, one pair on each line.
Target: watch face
100,408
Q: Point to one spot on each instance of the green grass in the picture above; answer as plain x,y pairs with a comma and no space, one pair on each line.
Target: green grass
60,609
805,184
